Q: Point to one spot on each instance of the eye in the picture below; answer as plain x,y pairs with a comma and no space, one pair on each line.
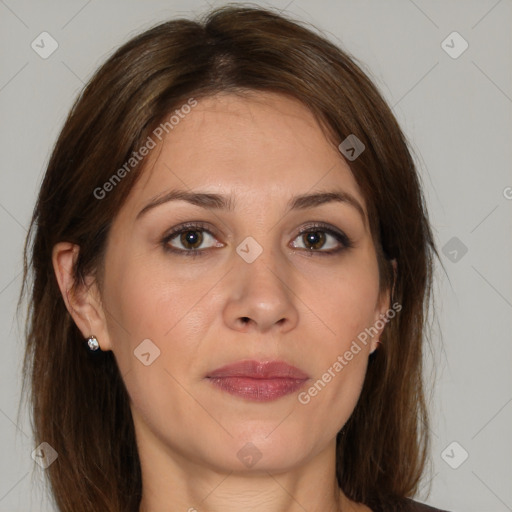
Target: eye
322,239
195,239
190,239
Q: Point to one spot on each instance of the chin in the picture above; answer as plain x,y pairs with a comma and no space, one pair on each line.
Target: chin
262,449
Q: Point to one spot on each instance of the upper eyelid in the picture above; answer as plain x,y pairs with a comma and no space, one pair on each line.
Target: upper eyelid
203,226
189,226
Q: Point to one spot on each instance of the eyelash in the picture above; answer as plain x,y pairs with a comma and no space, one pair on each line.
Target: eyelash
341,237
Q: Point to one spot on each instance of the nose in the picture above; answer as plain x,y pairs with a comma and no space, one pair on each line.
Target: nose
260,296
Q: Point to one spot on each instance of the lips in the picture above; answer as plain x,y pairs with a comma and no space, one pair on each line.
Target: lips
258,381
259,370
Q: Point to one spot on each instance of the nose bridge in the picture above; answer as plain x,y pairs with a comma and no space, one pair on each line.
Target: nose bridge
260,291
265,276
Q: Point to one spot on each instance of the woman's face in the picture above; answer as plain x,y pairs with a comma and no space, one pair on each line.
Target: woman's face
255,289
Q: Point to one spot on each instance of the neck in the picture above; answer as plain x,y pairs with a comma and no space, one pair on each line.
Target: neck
172,483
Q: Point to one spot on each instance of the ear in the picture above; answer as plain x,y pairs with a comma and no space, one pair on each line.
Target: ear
82,300
383,305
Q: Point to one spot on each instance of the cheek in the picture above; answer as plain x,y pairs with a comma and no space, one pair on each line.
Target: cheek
346,305
336,386
346,299
148,298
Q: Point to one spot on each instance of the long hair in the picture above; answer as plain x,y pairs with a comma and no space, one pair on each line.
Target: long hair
79,404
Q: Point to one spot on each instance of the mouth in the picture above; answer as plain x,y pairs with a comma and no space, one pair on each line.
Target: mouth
258,381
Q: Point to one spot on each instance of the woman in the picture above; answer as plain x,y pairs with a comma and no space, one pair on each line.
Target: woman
231,264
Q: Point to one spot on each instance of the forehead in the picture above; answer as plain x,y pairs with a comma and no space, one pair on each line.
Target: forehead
257,147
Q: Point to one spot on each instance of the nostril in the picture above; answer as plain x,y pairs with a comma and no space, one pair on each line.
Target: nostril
245,319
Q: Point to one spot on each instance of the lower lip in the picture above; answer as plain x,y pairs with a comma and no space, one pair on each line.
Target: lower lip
258,390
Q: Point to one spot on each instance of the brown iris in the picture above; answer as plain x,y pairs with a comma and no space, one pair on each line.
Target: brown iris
314,240
191,239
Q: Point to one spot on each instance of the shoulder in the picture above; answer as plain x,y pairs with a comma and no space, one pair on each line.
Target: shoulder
416,506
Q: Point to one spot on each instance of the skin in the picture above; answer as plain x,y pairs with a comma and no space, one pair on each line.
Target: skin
303,307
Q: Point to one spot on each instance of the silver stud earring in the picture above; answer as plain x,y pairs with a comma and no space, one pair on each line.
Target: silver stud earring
92,343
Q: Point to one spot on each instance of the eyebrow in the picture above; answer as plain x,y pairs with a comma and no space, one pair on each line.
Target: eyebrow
221,202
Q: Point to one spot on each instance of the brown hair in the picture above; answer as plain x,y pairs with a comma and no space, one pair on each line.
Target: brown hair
79,403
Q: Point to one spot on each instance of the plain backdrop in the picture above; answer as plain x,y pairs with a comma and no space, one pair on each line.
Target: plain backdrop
454,104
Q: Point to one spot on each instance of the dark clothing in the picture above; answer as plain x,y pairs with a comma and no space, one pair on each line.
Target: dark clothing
408,506
415,506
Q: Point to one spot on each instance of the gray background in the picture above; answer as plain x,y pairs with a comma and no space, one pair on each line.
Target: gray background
456,113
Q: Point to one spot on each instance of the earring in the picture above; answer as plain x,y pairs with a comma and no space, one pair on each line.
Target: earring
92,343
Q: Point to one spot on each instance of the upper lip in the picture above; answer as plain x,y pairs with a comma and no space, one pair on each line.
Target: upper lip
259,370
